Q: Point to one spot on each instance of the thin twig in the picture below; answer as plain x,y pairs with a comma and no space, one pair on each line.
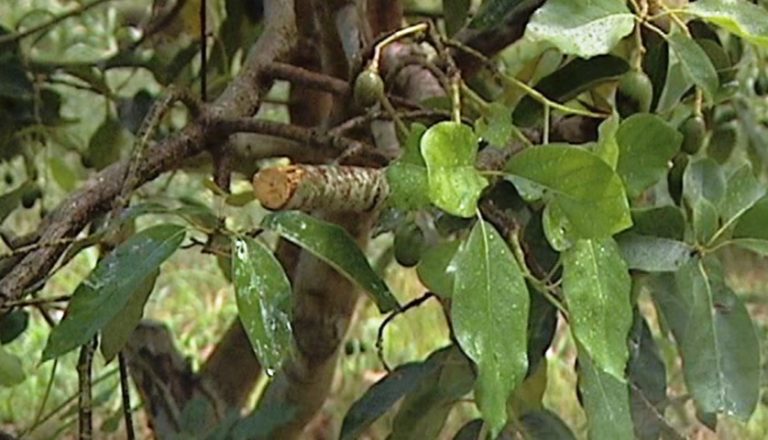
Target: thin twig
85,387
380,336
36,301
126,396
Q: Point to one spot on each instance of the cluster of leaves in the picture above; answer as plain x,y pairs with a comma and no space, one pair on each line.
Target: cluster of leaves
559,231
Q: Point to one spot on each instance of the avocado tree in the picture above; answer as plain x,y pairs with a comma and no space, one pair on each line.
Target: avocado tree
550,168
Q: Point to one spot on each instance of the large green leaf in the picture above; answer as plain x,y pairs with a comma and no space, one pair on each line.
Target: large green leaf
646,144
568,82
382,395
648,377
653,254
661,221
435,270
580,28
740,17
493,12
449,150
490,316
695,63
607,146
544,424
605,400
336,247
407,176
718,344
263,295
109,287
118,330
752,223
743,191
424,411
596,287
583,186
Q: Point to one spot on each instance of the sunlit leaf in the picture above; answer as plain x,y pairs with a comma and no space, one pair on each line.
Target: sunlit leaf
740,17
695,63
653,254
496,126
584,187
263,295
449,150
489,314
336,247
109,287
596,287
584,29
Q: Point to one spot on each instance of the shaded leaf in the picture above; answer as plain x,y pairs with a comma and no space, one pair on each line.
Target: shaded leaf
496,126
718,344
584,29
11,369
106,144
449,150
648,376
596,287
493,12
455,13
695,63
13,324
661,221
583,186
407,176
605,400
264,305
333,245
490,314
653,254
743,191
435,270
646,144
108,288
115,334
544,424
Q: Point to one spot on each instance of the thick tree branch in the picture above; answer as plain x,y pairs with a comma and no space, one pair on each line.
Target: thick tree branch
241,98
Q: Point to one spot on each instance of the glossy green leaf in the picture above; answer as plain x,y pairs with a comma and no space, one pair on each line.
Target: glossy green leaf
382,395
718,344
584,187
490,315
704,221
653,254
108,288
752,223
11,369
607,146
743,191
567,83
496,126
648,377
695,63
407,176
449,150
424,411
544,424
704,179
12,325
557,228
596,287
605,400
584,29
435,270
336,247
742,18
264,305
118,330
646,144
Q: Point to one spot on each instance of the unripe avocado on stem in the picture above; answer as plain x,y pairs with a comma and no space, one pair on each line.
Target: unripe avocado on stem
368,88
409,244
675,177
693,129
634,94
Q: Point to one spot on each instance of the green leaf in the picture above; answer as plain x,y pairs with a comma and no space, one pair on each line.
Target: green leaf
493,12
12,325
584,187
424,411
455,13
489,315
435,270
741,18
496,125
606,401
62,173
704,179
718,344
11,369
646,144
584,29
653,254
11,200
648,376
333,245
743,191
106,144
752,223
607,146
661,221
596,287
449,150
108,288
557,228
264,305
407,176
569,82
695,63
544,424
118,330
385,393
704,221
